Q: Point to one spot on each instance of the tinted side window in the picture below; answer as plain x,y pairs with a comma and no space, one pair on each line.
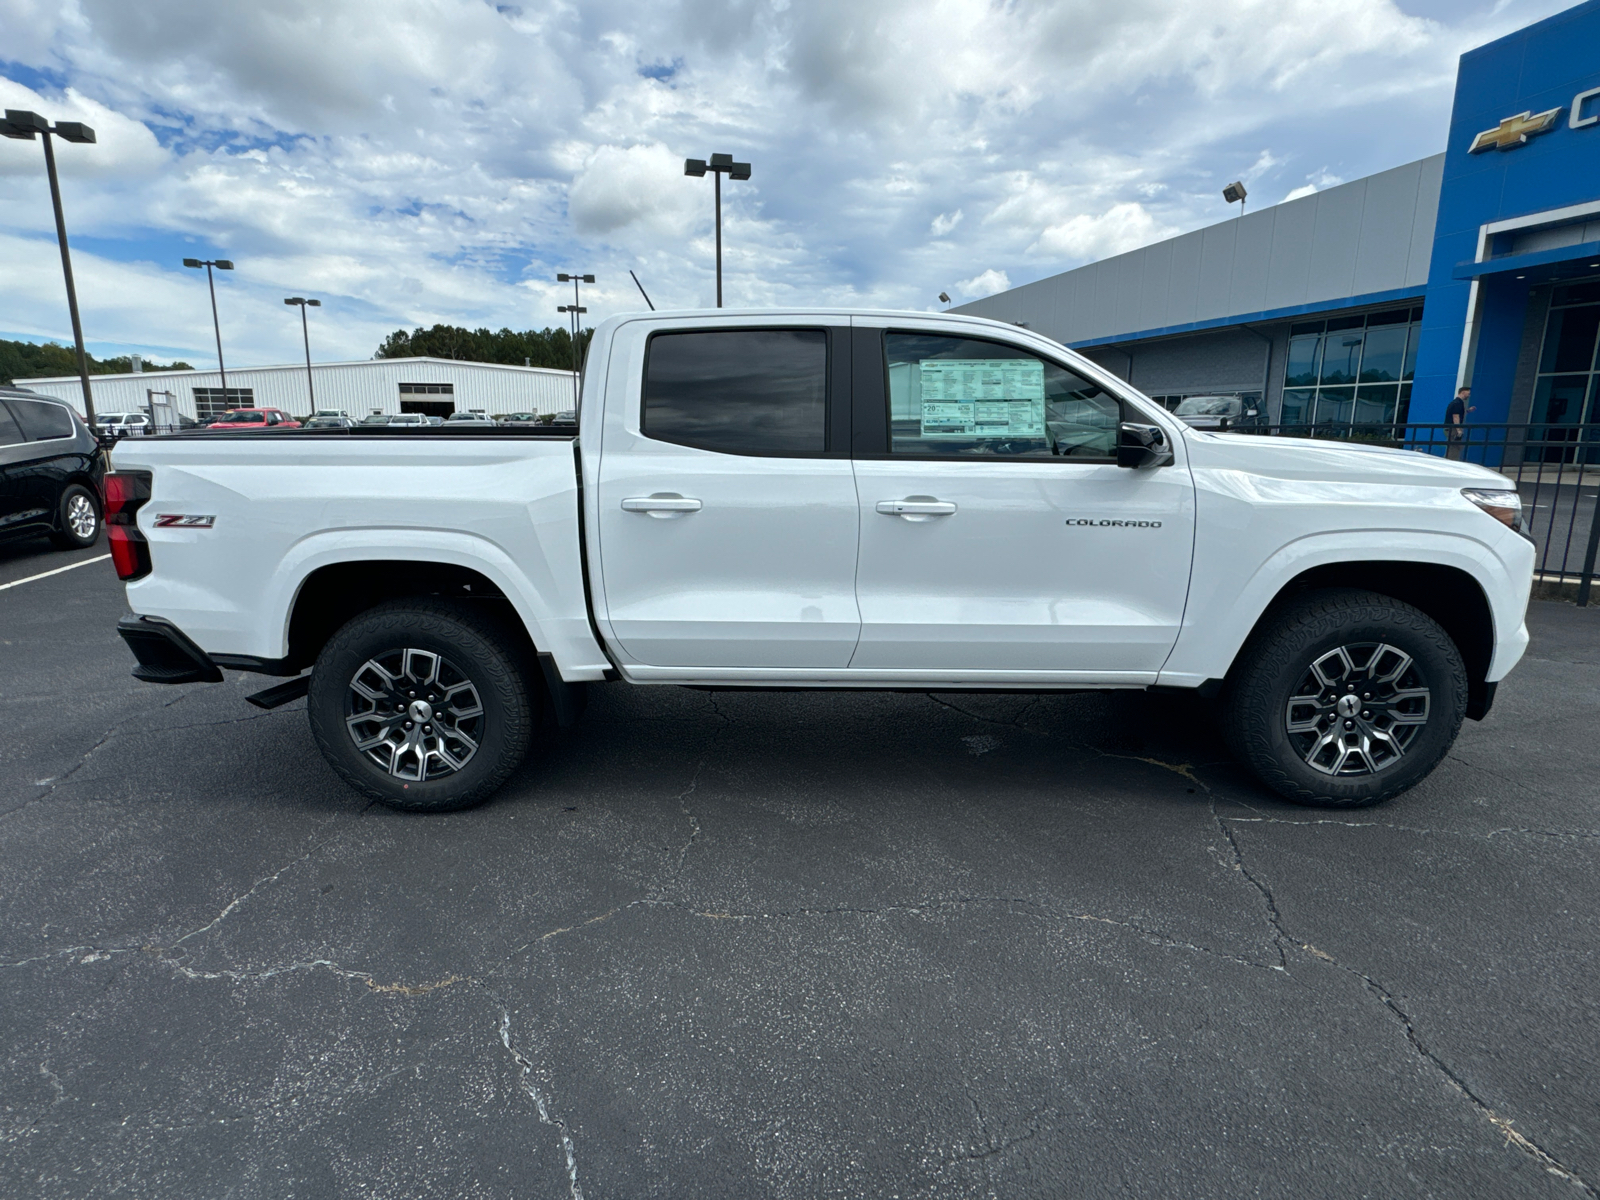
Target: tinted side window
10,434
739,391
40,420
967,397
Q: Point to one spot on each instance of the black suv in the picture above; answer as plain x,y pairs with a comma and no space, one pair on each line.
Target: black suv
50,472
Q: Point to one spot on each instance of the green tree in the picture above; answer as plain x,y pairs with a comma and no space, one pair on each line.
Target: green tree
28,360
536,347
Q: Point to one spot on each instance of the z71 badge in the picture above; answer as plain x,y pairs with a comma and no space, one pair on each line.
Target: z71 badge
183,521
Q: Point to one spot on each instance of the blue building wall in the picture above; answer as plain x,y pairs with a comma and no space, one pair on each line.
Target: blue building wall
1538,68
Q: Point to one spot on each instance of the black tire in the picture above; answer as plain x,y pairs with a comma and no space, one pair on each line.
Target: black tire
77,518
1279,720
434,767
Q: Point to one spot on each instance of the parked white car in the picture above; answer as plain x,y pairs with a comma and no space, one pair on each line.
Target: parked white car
122,424
826,499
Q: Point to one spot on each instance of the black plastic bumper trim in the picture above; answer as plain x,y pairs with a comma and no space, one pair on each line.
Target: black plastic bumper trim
166,654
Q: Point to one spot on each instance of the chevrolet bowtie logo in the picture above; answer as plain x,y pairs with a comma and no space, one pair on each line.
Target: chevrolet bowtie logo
1514,131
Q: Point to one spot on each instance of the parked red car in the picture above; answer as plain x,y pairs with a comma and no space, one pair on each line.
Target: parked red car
254,418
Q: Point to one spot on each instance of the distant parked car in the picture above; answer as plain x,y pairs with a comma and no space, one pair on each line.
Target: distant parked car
566,416
50,472
117,425
521,418
408,419
254,418
1219,412
433,419
329,412
375,419
461,417
325,421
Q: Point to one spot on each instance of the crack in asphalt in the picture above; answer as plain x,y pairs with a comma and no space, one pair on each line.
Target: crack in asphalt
1387,998
541,1102
55,781
1487,835
1015,722
694,780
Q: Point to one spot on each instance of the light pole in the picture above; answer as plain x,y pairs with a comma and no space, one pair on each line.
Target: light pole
306,333
719,165
221,264
576,310
25,125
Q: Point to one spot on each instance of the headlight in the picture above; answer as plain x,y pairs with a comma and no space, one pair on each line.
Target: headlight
1504,506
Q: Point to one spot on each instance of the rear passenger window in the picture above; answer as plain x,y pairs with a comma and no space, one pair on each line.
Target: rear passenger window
964,397
41,420
10,434
739,391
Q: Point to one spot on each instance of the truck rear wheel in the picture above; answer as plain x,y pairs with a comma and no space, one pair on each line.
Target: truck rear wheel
1347,699
422,705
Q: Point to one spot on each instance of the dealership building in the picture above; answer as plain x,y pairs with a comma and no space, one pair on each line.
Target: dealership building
435,386
1369,303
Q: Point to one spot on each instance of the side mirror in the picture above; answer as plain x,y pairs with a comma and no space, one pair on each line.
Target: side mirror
1142,446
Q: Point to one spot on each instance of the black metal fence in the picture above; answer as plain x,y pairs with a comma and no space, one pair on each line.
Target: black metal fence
1555,468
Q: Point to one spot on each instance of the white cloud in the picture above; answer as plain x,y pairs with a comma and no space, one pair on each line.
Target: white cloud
984,284
1315,182
944,223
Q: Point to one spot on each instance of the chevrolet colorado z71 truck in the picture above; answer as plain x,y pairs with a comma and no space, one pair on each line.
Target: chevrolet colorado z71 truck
825,499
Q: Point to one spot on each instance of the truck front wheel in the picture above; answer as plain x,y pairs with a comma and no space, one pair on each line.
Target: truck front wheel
1346,699
421,705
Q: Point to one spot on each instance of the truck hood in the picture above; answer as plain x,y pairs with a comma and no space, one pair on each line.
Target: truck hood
1333,462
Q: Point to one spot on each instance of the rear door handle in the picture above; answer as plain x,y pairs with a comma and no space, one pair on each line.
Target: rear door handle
663,504
915,507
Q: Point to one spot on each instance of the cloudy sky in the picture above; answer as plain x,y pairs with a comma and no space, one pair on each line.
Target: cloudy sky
421,161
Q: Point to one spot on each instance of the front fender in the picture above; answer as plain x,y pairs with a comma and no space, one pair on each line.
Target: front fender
1226,602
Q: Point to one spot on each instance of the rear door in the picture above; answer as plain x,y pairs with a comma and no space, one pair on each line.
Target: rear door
14,452
997,531
727,507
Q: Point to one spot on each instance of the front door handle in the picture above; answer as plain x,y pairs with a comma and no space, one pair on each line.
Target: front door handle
917,508
661,505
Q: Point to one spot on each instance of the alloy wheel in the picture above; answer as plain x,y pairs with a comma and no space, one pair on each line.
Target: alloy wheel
414,714
81,517
1357,709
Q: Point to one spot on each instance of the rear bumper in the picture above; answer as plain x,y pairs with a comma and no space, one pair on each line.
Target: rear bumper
165,652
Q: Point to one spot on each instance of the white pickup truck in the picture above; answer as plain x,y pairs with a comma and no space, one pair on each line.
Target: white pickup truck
825,499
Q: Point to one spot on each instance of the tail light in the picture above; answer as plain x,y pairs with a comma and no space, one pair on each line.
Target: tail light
126,492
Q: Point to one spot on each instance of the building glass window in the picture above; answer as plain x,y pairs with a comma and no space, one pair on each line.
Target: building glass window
1351,374
210,403
1565,399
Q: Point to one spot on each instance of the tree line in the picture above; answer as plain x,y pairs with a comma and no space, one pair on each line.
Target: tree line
533,347
28,360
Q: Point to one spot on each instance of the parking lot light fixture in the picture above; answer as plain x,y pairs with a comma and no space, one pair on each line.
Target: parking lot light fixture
25,126
305,333
576,310
221,264
718,165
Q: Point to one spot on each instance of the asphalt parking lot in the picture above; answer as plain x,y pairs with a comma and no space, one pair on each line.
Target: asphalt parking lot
783,945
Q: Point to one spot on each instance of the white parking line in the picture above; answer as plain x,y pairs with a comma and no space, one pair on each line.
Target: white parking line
57,571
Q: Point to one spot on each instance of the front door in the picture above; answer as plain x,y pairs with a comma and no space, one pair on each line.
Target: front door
997,531
727,512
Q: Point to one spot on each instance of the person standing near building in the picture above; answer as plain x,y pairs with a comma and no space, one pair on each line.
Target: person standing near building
1455,416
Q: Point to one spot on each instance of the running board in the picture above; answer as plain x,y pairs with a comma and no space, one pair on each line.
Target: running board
281,694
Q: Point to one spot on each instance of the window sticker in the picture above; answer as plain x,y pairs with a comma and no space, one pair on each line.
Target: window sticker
982,397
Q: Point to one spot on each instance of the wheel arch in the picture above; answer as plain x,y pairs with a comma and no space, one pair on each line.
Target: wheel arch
1447,594
334,593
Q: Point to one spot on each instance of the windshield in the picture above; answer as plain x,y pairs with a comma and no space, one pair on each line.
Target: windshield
1208,406
242,417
